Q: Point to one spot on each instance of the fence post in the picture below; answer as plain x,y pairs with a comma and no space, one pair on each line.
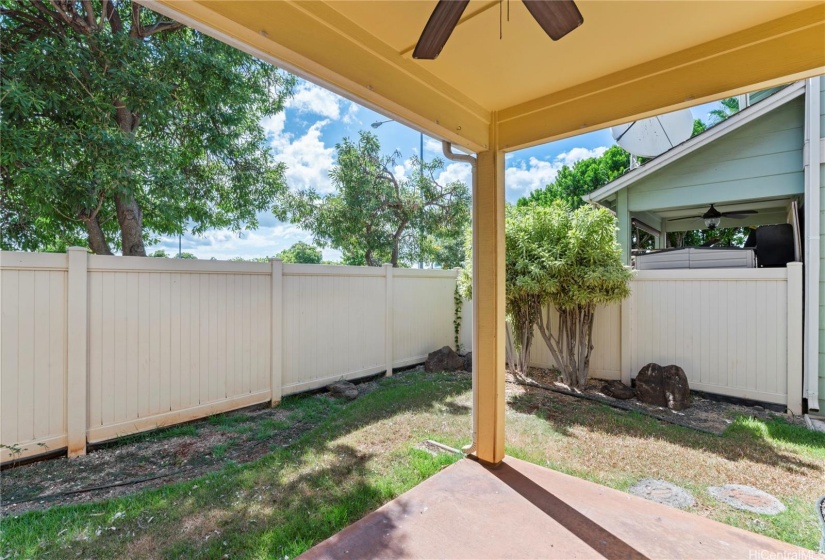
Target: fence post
795,337
388,320
458,314
626,337
77,360
277,331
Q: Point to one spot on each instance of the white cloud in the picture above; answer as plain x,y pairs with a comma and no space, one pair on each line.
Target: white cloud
456,171
223,244
307,158
309,98
351,116
400,171
433,146
578,154
333,255
526,176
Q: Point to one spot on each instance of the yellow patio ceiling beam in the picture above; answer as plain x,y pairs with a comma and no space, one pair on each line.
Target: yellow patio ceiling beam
789,48
315,42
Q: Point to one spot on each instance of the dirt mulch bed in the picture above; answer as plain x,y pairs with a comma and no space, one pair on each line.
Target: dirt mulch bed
704,414
153,459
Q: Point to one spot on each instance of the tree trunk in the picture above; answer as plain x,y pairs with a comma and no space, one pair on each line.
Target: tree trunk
129,215
130,219
97,241
572,345
396,241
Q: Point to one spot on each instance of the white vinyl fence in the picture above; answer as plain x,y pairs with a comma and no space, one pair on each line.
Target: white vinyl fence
96,347
735,332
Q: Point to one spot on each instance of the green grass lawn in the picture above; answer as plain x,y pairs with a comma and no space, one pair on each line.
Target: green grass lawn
363,453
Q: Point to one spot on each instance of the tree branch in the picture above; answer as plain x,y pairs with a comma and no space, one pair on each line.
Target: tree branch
90,15
137,28
160,27
113,18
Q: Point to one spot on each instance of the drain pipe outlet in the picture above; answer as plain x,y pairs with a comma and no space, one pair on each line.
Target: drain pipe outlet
447,149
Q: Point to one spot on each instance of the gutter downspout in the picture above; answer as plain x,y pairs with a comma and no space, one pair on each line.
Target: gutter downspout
812,161
447,150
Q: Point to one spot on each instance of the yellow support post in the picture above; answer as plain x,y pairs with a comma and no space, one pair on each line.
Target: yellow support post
488,302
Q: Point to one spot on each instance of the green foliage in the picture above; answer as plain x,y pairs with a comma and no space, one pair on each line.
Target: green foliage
301,253
375,218
252,259
569,261
730,106
162,254
458,303
698,127
123,126
722,237
584,177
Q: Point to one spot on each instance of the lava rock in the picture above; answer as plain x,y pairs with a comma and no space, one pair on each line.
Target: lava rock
663,386
443,359
343,389
618,390
468,361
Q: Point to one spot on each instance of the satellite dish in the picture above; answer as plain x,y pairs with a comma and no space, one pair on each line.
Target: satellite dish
654,136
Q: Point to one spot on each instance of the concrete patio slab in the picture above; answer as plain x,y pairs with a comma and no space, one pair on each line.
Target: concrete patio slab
521,510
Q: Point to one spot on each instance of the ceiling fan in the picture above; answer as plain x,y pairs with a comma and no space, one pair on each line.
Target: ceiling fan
713,216
556,17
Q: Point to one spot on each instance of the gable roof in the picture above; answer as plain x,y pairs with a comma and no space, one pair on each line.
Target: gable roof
743,117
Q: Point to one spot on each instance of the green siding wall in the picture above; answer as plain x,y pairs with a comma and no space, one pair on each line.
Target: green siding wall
760,160
822,253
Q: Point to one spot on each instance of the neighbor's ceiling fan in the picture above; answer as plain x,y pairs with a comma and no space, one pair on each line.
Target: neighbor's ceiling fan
556,17
713,216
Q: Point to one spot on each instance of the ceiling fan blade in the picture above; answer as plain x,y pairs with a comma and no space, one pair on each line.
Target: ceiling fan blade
740,214
684,218
556,17
439,27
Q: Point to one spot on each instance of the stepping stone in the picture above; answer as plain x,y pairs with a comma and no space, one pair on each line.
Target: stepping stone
747,498
663,492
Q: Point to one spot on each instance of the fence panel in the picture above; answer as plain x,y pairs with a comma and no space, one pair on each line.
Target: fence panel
170,341
32,353
727,328
334,324
419,329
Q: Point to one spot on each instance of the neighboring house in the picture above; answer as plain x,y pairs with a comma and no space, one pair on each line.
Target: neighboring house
758,159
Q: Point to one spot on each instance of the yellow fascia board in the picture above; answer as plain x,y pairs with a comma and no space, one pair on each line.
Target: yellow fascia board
780,51
315,42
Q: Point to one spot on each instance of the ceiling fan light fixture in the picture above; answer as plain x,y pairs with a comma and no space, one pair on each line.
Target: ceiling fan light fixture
712,217
712,223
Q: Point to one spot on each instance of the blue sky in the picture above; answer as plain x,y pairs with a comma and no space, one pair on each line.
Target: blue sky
304,138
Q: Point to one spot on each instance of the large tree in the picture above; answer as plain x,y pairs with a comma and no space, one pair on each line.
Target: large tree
583,177
374,217
301,253
119,124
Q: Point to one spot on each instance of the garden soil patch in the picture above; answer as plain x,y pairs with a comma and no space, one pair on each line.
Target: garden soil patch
149,460
703,414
